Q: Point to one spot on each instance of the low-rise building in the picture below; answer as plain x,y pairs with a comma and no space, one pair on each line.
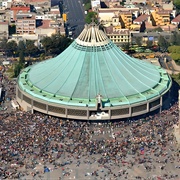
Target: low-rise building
160,17
4,29
26,24
139,23
95,4
43,4
151,36
176,21
108,16
18,9
48,16
46,29
53,13
142,18
118,36
125,19
168,6
5,4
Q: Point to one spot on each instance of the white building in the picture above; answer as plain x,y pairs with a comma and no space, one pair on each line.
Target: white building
95,4
5,3
48,16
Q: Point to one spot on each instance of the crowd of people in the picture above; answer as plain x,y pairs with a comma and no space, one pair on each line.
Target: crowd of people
29,139
143,148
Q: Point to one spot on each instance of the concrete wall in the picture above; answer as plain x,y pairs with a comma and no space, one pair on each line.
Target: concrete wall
70,111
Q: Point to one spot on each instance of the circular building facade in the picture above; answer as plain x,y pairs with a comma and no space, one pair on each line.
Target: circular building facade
92,79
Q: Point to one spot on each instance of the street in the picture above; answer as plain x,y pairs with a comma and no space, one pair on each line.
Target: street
75,15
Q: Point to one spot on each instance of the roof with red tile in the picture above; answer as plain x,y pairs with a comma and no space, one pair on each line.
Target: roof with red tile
45,24
55,12
141,18
18,8
169,27
176,19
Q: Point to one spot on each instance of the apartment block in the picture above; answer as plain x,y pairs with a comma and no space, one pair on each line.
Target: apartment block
4,30
125,19
25,25
160,18
18,9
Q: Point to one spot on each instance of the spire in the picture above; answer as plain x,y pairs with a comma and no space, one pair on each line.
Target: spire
92,20
92,36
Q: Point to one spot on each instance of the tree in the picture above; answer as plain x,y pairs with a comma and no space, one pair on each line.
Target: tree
11,47
31,49
86,1
55,44
90,16
175,52
174,49
138,40
87,6
21,46
158,29
3,44
175,39
175,56
21,57
42,56
177,4
47,43
163,43
17,69
126,46
149,44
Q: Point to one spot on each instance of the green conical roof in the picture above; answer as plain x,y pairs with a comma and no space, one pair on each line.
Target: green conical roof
94,65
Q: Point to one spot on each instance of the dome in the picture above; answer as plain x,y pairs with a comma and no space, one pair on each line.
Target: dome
93,66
